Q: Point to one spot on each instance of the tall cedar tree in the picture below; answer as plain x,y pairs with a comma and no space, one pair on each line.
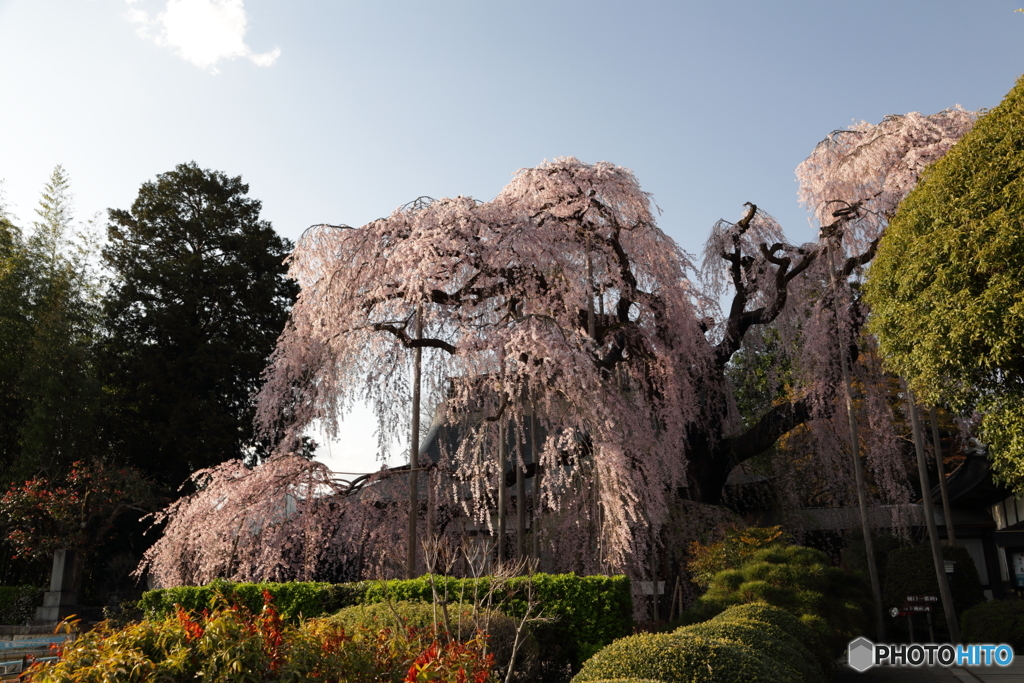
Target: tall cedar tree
197,301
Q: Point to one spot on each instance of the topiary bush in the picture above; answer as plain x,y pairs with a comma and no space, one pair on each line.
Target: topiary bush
833,602
911,571
809,630
683,658
465,622
999,621
768,639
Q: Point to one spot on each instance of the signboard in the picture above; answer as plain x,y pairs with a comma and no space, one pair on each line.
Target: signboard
908,610
922,598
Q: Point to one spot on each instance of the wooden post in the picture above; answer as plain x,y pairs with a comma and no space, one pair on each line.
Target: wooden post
520,503
591,326
654,574
858,475
502,489
535,521
929,514
414,452
947,511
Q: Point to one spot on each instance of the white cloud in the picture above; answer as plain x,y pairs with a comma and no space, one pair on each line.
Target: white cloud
203,32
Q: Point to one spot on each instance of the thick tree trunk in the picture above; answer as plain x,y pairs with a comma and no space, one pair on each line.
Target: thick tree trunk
711,457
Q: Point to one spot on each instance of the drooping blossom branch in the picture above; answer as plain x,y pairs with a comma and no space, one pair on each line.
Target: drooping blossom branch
561,299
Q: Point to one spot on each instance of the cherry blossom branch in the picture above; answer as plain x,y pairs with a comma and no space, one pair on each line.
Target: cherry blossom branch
410,343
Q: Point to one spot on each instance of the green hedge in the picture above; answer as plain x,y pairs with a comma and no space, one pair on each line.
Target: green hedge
18,603
292,600
586,612
999,621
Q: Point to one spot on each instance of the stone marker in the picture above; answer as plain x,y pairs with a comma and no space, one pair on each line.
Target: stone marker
61,600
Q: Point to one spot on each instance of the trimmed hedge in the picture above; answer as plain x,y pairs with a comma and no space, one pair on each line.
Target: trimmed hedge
999,621
768,640
291,600
586,612
683,658
18,603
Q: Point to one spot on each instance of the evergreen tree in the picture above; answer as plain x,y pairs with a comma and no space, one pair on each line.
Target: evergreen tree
947,287
197,300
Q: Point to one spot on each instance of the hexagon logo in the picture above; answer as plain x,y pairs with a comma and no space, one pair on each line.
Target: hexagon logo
861,654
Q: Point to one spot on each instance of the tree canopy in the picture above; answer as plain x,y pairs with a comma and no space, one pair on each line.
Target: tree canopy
947,287
197,300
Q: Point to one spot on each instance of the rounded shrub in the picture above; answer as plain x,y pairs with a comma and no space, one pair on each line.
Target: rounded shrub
465,621
770,641
809,631
682,658
999,621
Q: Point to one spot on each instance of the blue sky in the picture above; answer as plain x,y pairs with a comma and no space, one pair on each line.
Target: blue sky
341,111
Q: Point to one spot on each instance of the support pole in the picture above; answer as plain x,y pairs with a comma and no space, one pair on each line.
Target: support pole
502,490
862,499
414,452
535,521
947,511
520,504
929,515
591,324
